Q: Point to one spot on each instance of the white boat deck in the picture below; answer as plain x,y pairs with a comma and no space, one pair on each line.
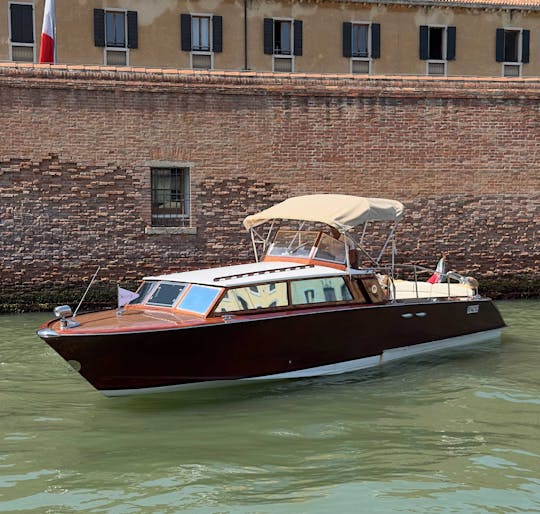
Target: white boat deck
254,273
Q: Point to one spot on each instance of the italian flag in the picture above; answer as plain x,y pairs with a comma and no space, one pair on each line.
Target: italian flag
46,50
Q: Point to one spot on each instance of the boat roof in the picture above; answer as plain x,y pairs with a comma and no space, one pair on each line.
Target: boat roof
245,274
343,212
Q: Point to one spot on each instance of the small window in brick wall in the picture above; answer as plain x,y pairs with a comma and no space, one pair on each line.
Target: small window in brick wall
170,197
116,31
21,32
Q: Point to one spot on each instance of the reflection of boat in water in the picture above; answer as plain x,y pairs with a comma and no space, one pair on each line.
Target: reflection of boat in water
305,309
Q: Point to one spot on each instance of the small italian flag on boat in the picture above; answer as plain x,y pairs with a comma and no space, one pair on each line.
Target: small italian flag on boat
440,271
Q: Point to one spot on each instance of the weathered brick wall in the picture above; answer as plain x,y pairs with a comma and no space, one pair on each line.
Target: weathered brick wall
75,145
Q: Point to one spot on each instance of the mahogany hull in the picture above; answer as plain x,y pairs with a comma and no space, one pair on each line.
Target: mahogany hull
247,347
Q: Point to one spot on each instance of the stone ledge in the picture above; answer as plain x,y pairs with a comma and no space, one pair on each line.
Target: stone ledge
170,230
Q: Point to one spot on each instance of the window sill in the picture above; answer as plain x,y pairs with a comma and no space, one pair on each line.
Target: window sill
170,230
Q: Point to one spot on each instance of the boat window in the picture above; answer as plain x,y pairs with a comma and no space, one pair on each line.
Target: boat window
330,249
199,299
291,243
143,291
319,290
166,294
245,298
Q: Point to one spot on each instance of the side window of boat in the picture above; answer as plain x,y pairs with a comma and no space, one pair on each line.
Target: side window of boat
263,296
166,294
143,291
319,290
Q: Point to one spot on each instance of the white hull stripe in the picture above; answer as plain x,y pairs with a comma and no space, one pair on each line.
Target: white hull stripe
331,369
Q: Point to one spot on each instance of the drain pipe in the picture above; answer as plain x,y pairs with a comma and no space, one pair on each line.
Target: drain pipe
245,37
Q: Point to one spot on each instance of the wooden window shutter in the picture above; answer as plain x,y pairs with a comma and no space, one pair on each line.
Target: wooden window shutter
99,27
132,30
217,34
525,45
499,45
375,40
347,39
268,36
185,32
22,23
450,43
424,42
297,37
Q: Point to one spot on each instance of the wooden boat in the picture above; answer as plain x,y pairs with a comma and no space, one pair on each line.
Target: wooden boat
305,308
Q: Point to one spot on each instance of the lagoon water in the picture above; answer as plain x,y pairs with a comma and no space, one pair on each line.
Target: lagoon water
443,433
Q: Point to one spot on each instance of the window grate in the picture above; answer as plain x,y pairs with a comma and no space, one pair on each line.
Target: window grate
170,197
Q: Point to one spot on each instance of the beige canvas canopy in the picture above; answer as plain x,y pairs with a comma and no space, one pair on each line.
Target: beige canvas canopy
343,212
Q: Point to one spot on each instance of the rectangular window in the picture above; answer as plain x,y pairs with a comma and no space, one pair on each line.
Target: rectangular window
267,296
360,40
21,32
362,44
319,290
116,31
282,40
115,38
199,299
512,50
200,33
437,47
282,37
511,45
170,197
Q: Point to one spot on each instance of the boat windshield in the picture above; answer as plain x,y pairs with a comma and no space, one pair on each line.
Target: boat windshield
166,294
199,299
143,291
292,243
330,249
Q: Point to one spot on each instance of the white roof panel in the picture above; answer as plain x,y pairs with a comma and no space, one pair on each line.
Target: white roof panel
245,274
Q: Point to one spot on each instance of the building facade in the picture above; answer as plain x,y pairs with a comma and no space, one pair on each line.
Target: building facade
490,38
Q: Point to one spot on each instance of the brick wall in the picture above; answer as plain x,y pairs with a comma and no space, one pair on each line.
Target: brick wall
76,142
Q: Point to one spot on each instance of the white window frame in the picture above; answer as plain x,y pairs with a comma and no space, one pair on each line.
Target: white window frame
210,38
11,43
124,49
444,60
282,56
519,62
363,59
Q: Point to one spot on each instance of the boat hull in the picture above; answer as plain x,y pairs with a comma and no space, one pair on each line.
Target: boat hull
286,345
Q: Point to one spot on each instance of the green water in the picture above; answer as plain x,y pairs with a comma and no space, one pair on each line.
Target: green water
438,434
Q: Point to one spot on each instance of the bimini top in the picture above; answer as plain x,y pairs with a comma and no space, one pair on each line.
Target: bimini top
343,212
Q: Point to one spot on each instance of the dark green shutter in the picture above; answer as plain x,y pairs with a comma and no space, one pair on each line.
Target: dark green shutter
99,27
268,36
525,45
185,32
22,23
451,43
347,39
217,34
375,40
499,45
297,37
132,30
424,42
